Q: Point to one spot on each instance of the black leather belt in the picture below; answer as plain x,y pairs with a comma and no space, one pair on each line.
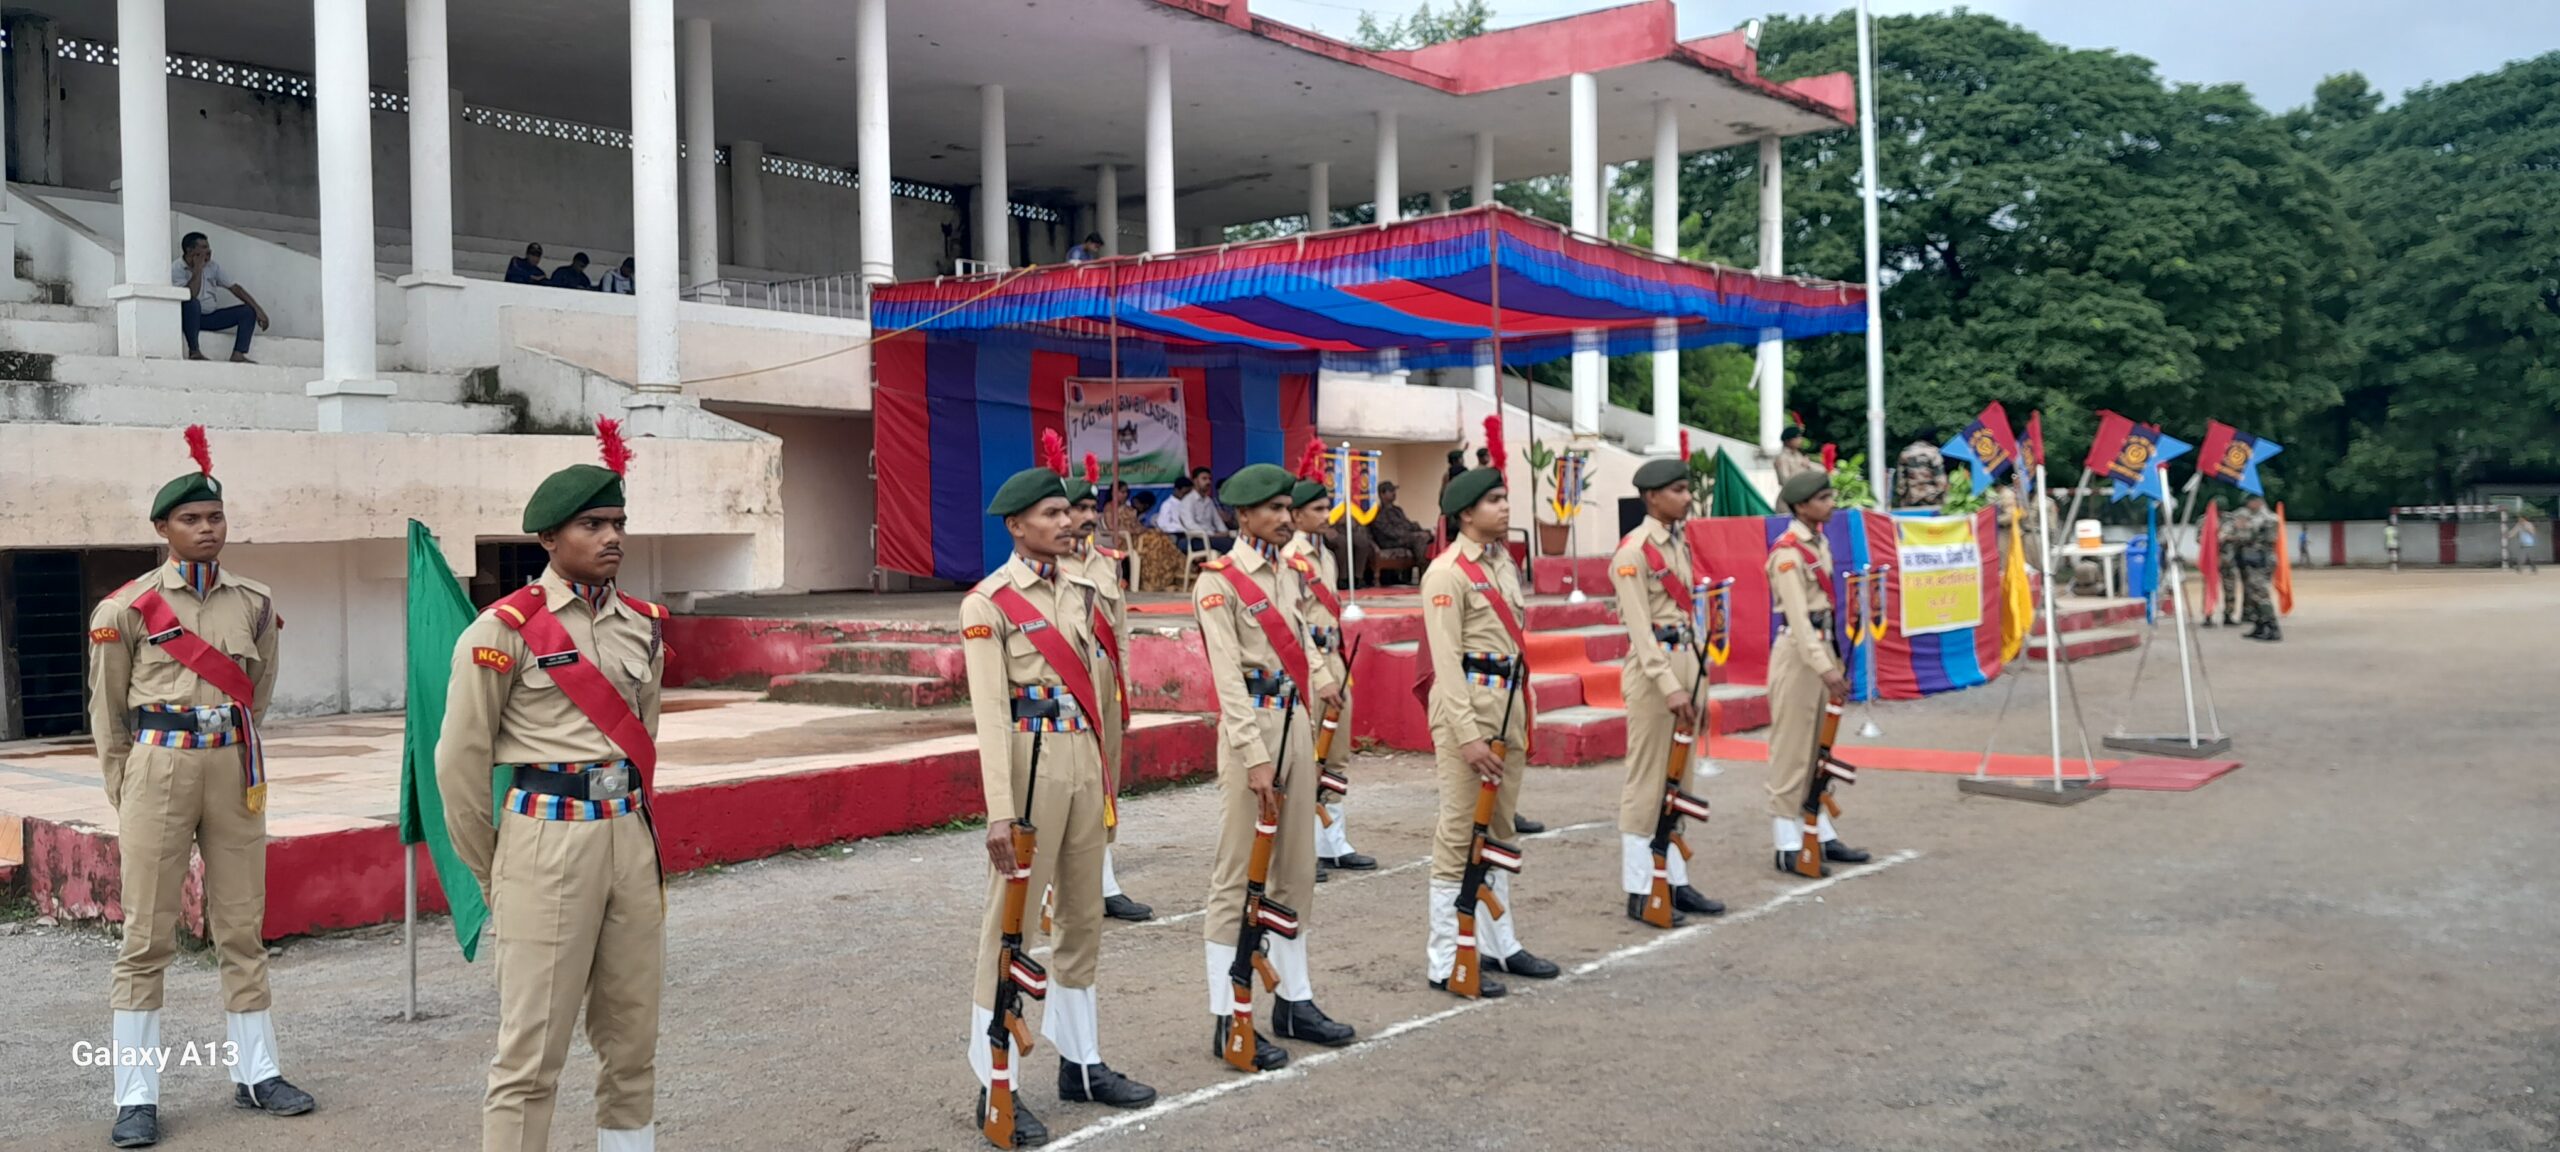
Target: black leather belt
1322,638
1260,683
1821,620
575,785
210,719
1505,667
1048,709
1671,634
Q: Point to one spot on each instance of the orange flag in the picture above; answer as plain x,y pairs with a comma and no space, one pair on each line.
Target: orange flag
2284,566
2209,556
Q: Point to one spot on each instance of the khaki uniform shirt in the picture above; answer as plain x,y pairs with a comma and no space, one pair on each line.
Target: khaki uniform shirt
1237,644
1457,620
1801,590
1643,605
1101,567
501,709
1001,658
238,618
1321,557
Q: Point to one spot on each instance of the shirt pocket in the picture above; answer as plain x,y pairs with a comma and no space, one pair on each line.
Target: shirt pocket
632,674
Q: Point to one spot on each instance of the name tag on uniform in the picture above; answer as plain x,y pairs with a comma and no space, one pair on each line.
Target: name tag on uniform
555,659
612,783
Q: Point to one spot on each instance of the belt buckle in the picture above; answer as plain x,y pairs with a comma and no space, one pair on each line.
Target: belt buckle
612,783
212,719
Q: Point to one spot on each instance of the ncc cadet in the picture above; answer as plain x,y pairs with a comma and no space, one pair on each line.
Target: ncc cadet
1314,561
1102,566
1472,620
1804,670
1252,611
1651,572
556,685
181,670
1027,633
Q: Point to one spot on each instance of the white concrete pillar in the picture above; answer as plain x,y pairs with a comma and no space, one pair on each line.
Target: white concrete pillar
994,226
1772,372
1666,242
1485,382
654,247
871,138
1319,196
146,304
352,396
1106,207
701,190
430,148
746,203
1390,191
1439,201
10,288
1160,236
1590,374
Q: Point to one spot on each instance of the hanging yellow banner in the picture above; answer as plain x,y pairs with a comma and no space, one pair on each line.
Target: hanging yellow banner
1940,574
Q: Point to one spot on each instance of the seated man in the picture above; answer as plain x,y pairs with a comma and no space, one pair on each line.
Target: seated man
1395,534
1193,515
527,269
196,272
573,274
618,281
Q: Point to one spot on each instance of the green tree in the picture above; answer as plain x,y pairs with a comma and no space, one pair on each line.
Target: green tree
1424,27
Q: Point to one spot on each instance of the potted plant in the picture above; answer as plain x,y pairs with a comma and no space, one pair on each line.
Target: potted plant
1553,538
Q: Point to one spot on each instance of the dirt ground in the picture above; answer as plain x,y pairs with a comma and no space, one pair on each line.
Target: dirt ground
2345,945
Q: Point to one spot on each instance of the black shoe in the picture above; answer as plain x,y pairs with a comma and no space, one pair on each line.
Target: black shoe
1687,899
2208,621
1352,862
1323,873
2230,621
1526,826
1302,1020
137,1126
2275,632
1124,908
1028,1131
1267,1056
272,1096
1787,864
1487,988
1635,911
1523,963
1096,1083
1839,853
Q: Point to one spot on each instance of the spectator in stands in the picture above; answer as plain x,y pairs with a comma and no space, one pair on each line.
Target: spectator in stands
1394,531
573,274
527,269
1090,249
196,272
1194,514
618,281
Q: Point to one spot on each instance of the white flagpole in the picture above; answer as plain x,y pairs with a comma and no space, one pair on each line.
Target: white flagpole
1351,612
409,922
2053,651
2178,601
1875,292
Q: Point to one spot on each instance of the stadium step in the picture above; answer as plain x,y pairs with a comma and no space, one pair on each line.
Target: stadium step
2083,643
897,658
865,690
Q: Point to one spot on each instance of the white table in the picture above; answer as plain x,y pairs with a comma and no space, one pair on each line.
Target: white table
2110,558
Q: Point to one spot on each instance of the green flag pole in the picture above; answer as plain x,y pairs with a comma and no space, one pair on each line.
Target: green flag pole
438,611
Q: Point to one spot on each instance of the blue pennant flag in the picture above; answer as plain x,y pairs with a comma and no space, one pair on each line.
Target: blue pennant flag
2233,455
2145,449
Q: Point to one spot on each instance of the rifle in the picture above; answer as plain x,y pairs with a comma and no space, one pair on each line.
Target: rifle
1484,853
1676,803
1262,915
1022,976
1328,781
1817,797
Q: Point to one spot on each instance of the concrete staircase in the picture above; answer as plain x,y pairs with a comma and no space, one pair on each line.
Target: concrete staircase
911,670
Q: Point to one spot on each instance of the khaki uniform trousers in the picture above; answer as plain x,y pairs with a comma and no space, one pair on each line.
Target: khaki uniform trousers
1458,784
1796,699
1292,881
581,919
1067,862
1114,734
1649,731
177,799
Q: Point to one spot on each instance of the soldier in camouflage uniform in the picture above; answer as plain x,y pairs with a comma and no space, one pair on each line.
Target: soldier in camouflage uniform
2229,560
2257,537
1920,476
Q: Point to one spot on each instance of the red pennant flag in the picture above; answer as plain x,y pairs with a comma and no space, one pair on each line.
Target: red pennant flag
2112,431
2035,437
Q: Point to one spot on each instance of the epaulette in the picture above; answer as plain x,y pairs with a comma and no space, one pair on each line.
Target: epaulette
643,607
516,607
1217,565
1110,553
1301,564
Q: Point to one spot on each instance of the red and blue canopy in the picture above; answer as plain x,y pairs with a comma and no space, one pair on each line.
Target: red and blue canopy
1412,295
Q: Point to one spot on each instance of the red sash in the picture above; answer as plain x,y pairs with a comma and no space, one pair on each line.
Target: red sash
1072,670
210,665
1475,575
1293,655
1110,642
1670,583
1812,558
1307,568
527,612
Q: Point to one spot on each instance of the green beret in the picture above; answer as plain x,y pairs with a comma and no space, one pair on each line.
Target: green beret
1660,474
1024,489
1470,486
194,487
1255,483
569,491
1803,486
1077,490
1309,491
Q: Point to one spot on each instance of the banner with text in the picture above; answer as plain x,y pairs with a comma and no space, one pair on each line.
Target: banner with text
1940,571
1146,431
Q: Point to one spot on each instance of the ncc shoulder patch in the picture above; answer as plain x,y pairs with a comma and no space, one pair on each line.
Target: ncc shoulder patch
977,632
1786,565
104,635
1214,600
1443,600
1626,569
492,659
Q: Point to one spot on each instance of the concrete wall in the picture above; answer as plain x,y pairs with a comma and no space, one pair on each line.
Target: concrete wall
597,331
828,499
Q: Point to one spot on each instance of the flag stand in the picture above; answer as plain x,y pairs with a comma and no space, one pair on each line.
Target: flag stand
2197,743
2061,791
1870,610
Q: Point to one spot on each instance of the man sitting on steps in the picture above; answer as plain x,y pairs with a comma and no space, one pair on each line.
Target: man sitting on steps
196,272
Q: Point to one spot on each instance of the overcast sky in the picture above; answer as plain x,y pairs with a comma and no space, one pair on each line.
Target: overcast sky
2278,48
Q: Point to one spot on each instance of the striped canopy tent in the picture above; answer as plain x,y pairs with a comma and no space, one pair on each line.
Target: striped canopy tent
971,369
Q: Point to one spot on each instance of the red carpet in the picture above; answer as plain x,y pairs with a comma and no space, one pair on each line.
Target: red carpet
1552,654
2166,774
2151,774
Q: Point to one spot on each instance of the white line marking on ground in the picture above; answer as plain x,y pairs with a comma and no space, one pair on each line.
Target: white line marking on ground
1373,874
1300,1065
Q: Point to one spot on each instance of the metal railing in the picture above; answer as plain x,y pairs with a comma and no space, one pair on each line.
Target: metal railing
842,295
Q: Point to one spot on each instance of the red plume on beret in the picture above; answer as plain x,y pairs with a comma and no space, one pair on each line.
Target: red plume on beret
1053,451
1493,441
617,451
197,448
1311,461
1092,469
1684,445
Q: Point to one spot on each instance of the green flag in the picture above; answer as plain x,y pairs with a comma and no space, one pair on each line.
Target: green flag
1734,494
438,612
